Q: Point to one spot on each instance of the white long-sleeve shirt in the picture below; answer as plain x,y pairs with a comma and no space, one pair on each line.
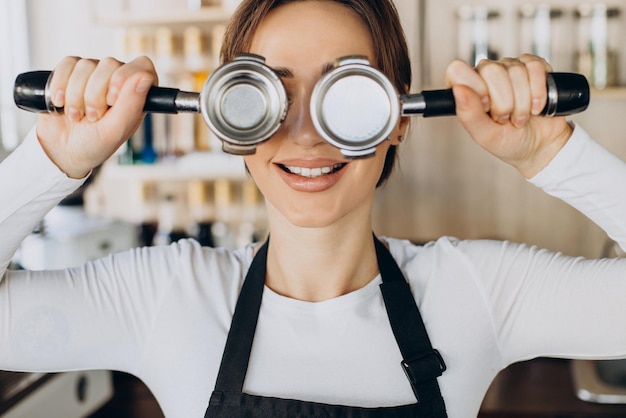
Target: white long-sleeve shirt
163,313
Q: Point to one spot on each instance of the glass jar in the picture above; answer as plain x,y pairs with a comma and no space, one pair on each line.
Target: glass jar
543,32
478,29
597,52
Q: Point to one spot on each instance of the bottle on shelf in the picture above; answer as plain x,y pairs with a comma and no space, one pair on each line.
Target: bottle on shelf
201,211
597,54
172,219
217,39
199,4
140,146
147,207
226,214
251,226
478,33
543,32
168,64
198,69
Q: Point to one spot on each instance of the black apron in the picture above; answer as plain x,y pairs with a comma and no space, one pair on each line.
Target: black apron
422,364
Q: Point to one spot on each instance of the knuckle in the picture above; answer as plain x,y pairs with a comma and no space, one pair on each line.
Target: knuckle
145,60
517,70
140,65
86,64
93,98
539,66
69,60
73,99
491,68
110,63
144,63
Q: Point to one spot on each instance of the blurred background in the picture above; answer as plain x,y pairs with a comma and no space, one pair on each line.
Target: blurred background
171,179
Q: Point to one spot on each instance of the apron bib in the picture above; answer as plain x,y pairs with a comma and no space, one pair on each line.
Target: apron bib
422,364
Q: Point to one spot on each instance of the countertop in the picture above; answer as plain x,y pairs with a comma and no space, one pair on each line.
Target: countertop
540,388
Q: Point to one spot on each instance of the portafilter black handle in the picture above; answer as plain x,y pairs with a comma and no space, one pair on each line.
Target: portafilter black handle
31,93
568,94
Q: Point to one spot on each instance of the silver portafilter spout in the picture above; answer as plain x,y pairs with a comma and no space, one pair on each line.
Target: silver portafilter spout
354,106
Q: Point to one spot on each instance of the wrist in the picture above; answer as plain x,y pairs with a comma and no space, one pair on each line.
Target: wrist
72,172
546,151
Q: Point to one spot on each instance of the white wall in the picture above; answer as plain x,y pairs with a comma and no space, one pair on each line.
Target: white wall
54,29
65,27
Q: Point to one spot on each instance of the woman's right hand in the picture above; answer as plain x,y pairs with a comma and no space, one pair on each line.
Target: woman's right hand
103,102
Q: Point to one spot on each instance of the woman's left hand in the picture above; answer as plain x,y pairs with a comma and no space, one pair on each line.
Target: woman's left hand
499,103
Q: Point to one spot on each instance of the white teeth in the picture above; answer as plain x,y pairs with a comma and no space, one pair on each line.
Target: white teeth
312,172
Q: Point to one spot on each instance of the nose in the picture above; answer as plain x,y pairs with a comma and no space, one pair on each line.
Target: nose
298,124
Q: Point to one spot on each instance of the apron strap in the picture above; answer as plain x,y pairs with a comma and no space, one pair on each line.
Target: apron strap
238,347
421,363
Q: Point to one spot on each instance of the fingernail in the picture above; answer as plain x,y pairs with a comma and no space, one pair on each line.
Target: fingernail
112,96
74,114
485,102
504,119
144,85
91,114
461,100
521,121
59,98
536,107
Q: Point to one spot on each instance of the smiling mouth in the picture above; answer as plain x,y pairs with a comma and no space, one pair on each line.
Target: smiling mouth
312,173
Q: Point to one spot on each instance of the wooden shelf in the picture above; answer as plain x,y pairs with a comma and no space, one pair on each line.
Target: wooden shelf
610,93
214,14
198,165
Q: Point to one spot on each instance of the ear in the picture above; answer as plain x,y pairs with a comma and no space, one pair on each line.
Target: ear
398,135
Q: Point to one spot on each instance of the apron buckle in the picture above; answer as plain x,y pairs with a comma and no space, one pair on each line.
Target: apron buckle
424,367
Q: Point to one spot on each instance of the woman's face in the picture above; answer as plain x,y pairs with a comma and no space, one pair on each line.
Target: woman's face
304,178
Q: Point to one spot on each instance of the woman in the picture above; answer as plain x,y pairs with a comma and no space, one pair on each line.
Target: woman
323,344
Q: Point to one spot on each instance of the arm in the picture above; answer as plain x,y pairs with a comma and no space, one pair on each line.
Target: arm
499,104
103,102
548,304
542,303
96,316
57,320
30,185
591,179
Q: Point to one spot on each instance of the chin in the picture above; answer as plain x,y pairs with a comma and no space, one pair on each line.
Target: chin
309,220
310,216
311,224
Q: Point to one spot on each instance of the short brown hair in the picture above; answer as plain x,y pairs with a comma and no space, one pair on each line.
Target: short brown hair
380,16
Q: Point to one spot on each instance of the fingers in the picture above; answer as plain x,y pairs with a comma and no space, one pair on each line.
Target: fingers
98,88
511,90
88,88
127,95
537,69
60,79
74,91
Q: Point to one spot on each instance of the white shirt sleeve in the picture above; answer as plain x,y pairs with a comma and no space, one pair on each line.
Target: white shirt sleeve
95,316
591,179
30,186
549,304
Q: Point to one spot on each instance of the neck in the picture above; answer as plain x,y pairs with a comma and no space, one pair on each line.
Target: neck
316,264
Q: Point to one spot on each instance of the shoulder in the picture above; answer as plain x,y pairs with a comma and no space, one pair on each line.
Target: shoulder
187,263
405,252
448,257
206,268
